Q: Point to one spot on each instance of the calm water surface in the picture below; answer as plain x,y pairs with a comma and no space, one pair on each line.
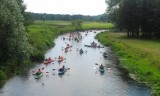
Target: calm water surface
83,78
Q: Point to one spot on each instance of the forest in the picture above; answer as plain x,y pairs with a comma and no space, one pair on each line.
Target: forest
139,18
66,17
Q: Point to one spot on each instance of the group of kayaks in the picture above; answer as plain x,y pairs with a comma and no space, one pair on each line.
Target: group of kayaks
62,70
48,61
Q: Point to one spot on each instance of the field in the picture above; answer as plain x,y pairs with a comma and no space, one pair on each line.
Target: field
139,57
97,25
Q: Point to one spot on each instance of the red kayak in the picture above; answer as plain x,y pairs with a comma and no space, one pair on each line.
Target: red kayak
48,61
60,59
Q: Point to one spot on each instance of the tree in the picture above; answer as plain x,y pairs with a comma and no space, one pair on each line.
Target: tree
137,17
13,38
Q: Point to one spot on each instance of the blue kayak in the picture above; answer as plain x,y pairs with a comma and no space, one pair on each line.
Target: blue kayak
61,71
101,69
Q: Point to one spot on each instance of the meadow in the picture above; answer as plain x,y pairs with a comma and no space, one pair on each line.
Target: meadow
140,57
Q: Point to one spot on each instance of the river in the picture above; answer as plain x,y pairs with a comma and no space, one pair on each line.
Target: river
82,77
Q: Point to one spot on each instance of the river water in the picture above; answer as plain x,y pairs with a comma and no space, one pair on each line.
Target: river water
82,77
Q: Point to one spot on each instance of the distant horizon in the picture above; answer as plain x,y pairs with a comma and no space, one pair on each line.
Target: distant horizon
64,14
70,7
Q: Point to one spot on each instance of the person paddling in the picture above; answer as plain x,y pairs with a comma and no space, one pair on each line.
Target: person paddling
49,58
62,68
81,50
38,72
101,66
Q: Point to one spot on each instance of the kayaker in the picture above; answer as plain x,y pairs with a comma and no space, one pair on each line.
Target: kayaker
101,66
49,58
63,67
38,72
81,50
104,53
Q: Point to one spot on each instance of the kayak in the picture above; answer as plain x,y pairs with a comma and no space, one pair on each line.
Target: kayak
61,71
104,55
87,45
101,69
66,50
48,61
38,76
60,59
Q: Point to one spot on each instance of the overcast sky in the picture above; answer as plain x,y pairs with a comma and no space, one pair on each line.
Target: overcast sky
84,7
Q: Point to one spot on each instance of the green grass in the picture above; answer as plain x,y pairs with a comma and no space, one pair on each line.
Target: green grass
49,22
139,57
97,25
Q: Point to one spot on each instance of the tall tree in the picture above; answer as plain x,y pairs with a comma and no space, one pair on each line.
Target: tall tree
13,40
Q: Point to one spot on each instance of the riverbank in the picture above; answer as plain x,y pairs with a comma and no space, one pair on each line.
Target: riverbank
42,34
139,57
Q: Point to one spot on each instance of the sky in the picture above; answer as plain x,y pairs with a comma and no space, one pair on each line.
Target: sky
72,7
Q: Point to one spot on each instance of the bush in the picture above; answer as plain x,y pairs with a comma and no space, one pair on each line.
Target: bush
3,77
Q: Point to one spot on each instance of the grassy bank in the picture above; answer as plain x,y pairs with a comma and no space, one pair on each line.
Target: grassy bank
139,57
42,33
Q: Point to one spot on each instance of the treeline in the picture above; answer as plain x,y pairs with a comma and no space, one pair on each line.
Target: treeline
139,18
66,17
